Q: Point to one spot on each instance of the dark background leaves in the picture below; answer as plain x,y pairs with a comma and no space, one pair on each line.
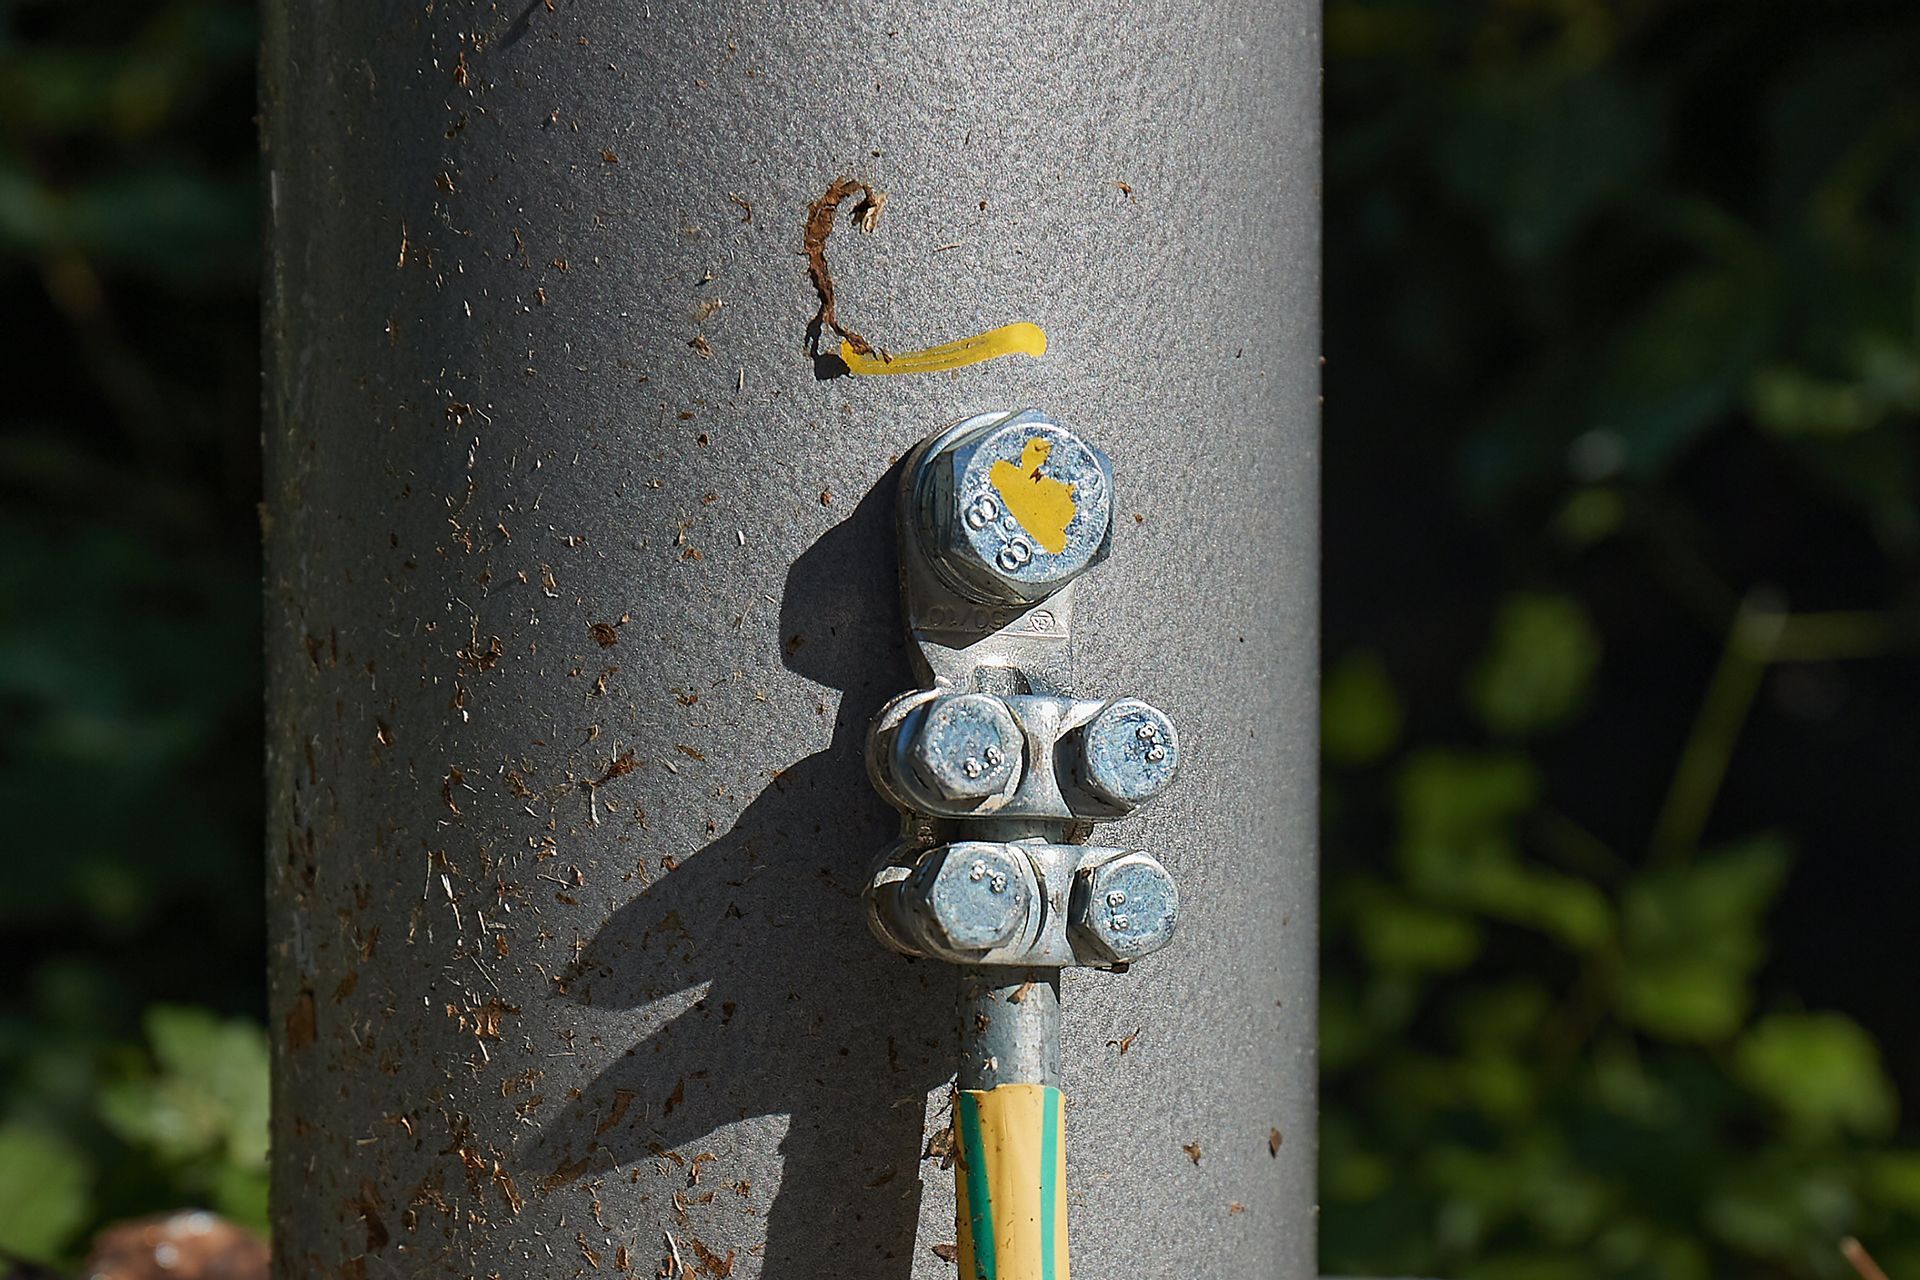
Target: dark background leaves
130,738
1623,326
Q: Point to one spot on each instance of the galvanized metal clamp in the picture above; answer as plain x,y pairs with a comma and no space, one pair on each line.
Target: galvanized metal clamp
1000,771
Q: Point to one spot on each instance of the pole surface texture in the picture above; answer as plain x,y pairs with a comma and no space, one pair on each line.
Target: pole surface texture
582,591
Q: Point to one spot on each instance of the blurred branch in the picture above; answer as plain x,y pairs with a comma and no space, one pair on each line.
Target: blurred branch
1831,637
1857,1256
122,377
1752,641
1573,846
1673,537
1760,635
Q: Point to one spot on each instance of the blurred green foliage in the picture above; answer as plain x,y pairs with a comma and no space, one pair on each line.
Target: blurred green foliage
1623,317
132,1066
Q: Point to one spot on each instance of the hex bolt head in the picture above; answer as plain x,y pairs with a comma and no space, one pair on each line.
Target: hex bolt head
1012,507
965,747
1128,753
1123,908
973,896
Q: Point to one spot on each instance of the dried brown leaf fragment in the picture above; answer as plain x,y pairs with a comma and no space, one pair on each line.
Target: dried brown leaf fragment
711,1263
622,1100
944,1144
821,215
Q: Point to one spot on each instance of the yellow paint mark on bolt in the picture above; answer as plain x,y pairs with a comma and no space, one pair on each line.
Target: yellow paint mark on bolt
1043,506
1021,339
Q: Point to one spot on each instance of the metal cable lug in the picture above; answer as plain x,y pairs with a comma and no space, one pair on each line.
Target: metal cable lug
999,772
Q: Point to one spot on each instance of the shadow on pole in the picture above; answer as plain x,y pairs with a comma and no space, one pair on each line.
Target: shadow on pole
832,1031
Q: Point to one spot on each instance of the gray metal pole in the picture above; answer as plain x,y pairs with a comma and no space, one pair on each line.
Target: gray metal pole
581,592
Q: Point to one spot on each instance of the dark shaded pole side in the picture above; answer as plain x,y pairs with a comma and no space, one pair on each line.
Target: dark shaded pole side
581,592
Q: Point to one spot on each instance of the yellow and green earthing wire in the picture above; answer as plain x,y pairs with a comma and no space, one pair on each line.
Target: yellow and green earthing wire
1012,1183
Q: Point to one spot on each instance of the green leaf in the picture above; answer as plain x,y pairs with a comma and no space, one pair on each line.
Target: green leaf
1624,1084
1691,938
1456,808
1590,515
1639,1249
1683,362
1504,1087
1820,1071
1345,1036
1893,1180
209,1095
240,1194
1500,1017
1538,671
1452,802
1395,932
1541,153
164,222
44,1192
1349,1172
1784,1206
1534,1179
1629,401
1881,379
1531,1265
1873,472
1792,402
1567,908
1360,714
1457,846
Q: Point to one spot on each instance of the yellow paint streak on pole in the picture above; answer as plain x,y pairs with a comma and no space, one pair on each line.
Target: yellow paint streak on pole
1019,339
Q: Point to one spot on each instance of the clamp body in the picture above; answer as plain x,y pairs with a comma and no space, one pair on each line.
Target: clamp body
1000,771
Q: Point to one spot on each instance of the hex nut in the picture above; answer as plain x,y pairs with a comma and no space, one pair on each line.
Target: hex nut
966,746
972,896
1127,754
989,505
1123,908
